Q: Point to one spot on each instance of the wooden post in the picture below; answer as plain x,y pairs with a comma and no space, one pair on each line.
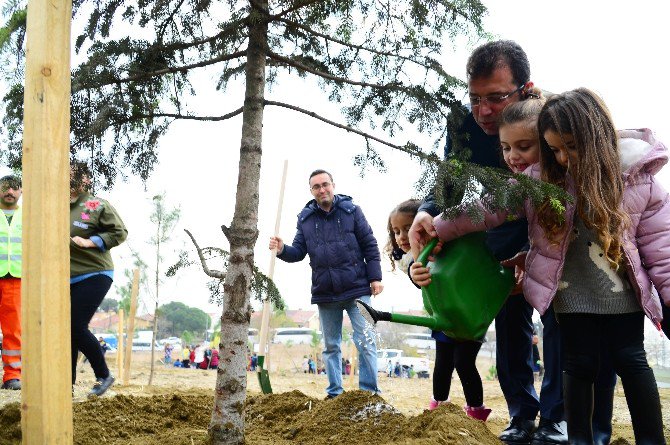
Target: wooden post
263,362
130,330
119,351
353,352
46,398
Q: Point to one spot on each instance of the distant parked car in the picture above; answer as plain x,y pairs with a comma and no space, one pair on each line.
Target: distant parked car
142,345
419,340
297,336
171,340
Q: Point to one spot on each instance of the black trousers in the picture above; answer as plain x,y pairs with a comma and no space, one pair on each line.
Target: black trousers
620,335
459,355
85,298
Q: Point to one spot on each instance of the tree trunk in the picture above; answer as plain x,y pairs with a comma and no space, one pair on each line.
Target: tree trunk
227,423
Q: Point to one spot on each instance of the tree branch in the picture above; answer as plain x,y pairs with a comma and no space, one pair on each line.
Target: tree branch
212,273
407,148
433,66
164,25
293,8
302,67
187,116
231,28
150,74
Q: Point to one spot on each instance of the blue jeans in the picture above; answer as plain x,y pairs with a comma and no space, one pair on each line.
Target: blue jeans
331,315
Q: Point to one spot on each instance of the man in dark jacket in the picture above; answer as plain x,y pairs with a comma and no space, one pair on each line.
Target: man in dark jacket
499,74
346,266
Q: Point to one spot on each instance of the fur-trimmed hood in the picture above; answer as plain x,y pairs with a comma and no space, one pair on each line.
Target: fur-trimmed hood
641,153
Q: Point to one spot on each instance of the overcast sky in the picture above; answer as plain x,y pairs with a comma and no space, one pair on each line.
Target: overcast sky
615,50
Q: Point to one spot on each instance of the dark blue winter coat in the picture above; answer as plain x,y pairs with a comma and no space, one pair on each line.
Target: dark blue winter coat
342,249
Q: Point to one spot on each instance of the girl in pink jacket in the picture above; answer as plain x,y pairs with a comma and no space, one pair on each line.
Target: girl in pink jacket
599,263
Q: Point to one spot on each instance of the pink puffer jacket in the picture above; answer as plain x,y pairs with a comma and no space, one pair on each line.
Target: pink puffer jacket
646,244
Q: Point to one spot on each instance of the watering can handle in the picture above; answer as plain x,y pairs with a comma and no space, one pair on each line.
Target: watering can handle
425,253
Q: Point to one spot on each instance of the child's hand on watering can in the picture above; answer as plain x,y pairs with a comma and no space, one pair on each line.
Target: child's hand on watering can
420,274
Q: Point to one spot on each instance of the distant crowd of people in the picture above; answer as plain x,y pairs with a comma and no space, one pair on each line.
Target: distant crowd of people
196,357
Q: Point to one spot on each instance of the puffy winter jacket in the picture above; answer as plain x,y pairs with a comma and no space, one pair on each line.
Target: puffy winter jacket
342,250
646,243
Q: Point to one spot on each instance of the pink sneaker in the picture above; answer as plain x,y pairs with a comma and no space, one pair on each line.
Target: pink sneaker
479,413
434,403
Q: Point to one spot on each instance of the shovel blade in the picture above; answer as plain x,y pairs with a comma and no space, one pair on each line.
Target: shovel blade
264,381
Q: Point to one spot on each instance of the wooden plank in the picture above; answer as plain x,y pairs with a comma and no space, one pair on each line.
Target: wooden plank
46,398
130,330
119,351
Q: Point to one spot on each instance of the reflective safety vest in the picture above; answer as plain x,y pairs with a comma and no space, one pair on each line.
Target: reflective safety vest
10,245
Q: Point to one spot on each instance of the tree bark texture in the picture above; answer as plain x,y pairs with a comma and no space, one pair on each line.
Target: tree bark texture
227,423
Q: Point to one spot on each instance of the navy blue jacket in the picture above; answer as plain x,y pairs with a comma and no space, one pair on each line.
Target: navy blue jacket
342,250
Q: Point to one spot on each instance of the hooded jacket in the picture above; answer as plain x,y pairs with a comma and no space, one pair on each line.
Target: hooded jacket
646,243
342,249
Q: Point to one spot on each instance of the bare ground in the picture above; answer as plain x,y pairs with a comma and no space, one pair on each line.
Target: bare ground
176,409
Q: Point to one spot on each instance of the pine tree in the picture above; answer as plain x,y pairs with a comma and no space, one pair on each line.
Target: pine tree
378,60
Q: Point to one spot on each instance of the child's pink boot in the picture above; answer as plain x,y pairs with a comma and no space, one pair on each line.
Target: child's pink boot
434,403
479,413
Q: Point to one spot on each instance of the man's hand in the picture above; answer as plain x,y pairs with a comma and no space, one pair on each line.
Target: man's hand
518,261
420,233
419,274
376,288
83,242
276,243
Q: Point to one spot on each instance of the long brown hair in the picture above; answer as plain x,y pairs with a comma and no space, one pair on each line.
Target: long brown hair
597,174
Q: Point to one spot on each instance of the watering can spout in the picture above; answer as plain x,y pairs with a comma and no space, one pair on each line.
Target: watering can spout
371,315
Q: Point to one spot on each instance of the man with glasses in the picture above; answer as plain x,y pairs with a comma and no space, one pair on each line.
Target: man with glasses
499,74
10,280
346,266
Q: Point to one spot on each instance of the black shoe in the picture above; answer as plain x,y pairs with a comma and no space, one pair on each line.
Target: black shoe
101,385
519,431
331,396
13,384
550,433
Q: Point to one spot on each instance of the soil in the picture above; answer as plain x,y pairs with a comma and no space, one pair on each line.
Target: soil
177,410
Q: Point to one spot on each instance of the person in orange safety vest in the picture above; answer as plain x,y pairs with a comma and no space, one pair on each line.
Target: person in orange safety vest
10,280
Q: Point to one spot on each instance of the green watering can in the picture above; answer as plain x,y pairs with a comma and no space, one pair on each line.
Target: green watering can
467,290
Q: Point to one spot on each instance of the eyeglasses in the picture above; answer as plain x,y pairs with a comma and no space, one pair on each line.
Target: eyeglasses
492,99
317,187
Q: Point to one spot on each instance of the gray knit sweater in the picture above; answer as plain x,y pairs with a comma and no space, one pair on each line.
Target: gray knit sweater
588,284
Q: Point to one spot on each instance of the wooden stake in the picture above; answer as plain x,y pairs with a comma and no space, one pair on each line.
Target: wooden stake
130,332
265,319
353,352
119,351
46,398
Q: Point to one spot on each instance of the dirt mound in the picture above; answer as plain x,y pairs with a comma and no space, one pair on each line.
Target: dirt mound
10,424
355,417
